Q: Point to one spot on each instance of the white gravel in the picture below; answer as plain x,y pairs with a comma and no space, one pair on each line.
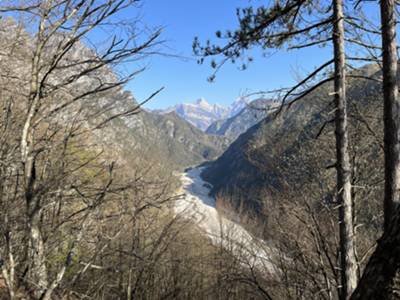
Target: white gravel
200,207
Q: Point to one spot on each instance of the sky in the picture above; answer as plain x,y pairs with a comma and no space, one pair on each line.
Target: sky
184,80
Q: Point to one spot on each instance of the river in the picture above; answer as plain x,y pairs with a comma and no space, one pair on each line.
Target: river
198,205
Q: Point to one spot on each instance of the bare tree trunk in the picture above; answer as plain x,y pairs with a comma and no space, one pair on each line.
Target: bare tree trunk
348,262
391,110
37,269
9,271
129,285
37,273
381,278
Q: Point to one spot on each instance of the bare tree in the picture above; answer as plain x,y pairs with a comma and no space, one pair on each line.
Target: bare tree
57,93
391,110
272,27
380,277
343,169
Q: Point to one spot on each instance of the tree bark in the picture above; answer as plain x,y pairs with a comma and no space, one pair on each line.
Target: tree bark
37,275
391,110
37,269
8,271
348,263
381,278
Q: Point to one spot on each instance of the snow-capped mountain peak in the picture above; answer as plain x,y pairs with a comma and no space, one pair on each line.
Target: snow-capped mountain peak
203,102
202,114
237,106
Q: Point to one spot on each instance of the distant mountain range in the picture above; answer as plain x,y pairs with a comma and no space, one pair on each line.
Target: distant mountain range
202,114
248,116
163,140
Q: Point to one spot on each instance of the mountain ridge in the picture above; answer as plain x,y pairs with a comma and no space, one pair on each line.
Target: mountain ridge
247,117
202,114
277,152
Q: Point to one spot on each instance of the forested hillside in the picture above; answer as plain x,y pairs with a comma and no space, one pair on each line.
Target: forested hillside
281,173
282,169
87,177
286,193
286,149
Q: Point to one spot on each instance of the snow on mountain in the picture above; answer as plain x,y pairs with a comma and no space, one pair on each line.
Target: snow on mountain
237,106
244,118
202,114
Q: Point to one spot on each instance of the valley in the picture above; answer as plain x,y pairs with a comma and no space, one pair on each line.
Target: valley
280,182
197,204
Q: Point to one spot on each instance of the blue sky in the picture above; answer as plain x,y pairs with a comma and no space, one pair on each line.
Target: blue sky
184,80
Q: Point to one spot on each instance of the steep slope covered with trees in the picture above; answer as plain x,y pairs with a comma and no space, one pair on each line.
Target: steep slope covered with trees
82,195
264,157
166,140
280,173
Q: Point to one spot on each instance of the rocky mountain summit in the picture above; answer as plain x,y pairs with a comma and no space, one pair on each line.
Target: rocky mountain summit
244,118
202,114
164,140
